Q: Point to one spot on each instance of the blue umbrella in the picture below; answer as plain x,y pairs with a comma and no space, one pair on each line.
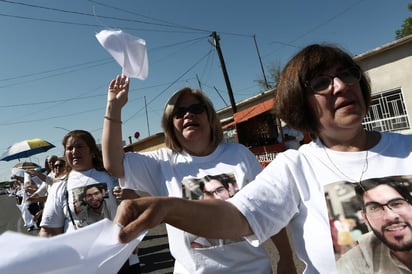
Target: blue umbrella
25,149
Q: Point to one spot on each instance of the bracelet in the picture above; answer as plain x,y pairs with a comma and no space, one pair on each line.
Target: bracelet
113,120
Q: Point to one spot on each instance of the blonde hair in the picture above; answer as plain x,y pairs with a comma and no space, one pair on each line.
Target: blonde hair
216,136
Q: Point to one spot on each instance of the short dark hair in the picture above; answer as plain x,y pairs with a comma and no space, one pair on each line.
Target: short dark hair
400,183
222,178
292,103
100,187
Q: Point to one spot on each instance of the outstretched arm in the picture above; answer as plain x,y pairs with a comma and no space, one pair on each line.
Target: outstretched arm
206,218
112,145
50,231
286,263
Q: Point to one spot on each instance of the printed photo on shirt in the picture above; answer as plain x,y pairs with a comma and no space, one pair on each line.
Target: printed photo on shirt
222,187
89,204
349,213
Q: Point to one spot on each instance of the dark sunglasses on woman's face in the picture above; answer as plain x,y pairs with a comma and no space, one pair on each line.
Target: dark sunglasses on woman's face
58,165
194,109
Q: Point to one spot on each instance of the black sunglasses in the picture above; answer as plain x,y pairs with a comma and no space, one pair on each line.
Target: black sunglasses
59,165
194,109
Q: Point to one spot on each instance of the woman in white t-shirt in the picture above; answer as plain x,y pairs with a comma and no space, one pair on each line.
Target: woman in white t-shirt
322,91
84,196
194,149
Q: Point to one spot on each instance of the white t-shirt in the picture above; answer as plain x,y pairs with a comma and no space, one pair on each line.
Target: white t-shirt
291,190
164,173
56,214
45,185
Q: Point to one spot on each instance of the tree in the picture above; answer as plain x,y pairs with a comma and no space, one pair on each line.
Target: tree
272,77
406,28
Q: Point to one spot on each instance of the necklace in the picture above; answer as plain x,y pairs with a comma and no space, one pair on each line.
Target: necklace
363,171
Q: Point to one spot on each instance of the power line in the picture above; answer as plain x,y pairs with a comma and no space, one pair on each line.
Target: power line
52,75
171,84
88,15
168,23
50,102
74,69
316,27
103,61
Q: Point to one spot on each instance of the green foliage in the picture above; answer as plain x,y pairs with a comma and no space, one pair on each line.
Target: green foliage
406,28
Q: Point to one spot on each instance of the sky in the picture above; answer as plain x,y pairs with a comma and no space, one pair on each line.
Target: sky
54,74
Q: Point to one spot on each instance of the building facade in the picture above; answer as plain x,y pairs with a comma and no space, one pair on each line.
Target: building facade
389,68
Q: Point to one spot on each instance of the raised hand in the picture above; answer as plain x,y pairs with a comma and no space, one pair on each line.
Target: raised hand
118,90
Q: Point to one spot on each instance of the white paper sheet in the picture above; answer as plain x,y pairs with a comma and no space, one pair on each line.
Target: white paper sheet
92,249
129,51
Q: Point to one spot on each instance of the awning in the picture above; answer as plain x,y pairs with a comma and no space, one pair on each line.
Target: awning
254,111
228,125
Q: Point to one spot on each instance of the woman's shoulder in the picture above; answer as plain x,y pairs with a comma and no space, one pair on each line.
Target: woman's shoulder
233,150
394,141
395,136
233,146
57,187
160,153
102,174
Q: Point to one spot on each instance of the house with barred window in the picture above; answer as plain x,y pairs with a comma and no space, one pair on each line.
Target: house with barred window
389,68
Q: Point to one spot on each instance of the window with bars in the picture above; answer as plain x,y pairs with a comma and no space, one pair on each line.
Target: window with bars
387,112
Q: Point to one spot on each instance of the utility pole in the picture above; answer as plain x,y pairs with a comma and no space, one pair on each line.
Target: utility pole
261,65
147,117
216,39
277,121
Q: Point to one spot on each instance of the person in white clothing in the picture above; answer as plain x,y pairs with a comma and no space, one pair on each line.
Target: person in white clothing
67,206
321,91
194,149
40,195
47,177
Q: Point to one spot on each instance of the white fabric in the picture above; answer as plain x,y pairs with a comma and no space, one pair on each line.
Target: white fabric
36,180
129,51
370,256
45,185
17,172
42,190
291,189
161,173
28,218
94,249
